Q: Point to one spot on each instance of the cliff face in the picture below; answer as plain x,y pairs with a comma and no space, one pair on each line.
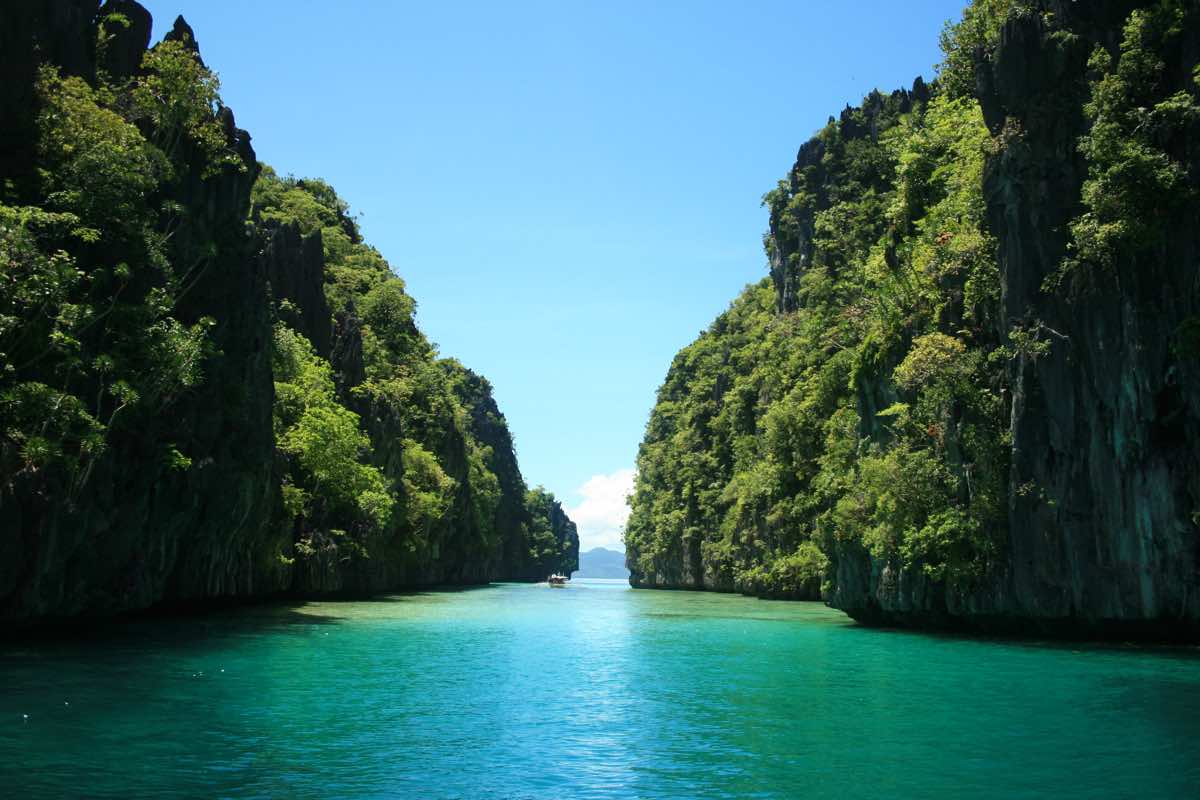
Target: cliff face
1101,526
1109,420
436,440
536,537
552,540
139,531
972,387
295,268
211,387
713,508
732,483
793,238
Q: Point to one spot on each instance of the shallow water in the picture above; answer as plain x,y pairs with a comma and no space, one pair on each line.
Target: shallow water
595,690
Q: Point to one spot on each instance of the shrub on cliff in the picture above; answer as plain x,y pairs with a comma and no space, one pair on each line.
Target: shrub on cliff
869,413
89,322
425,469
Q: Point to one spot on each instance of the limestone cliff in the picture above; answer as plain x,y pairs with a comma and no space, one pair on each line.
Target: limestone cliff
1105,418
144,450
968,396
139,532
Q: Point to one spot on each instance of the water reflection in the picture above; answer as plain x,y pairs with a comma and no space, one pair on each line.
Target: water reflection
592,691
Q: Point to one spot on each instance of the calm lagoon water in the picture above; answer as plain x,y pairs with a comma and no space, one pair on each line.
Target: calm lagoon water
596,690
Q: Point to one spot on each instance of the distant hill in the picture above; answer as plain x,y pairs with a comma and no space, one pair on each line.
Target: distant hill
601,563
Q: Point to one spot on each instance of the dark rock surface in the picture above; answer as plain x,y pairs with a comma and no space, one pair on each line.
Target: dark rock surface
295,267
566,533
1105,481
347,354
141,533
1099,534
791,250
33,33
183,33
125,41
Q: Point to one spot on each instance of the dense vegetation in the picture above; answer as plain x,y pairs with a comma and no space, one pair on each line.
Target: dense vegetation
388,449
759,456
209,384
859,405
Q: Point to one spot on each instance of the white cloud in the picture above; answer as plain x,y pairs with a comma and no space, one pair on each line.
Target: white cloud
602,512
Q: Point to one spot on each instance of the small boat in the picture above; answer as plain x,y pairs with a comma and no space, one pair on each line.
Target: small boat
557,581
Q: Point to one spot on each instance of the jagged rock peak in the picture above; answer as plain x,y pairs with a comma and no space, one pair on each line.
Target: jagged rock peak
126,26
182,32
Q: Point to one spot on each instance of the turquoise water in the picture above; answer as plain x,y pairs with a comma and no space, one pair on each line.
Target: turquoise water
591,691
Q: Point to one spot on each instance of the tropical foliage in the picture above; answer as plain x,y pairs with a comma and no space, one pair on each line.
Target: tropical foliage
867,410
391,465
92,345
858,403
402,461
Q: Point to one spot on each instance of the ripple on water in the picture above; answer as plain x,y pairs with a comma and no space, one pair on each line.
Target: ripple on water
595,691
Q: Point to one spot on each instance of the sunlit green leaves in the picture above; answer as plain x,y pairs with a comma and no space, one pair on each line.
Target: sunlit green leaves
179,98
96,165
46,426
324,441
975,35
1136,188
428,489
869,415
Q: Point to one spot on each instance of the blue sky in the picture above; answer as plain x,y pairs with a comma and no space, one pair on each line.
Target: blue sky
572,191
